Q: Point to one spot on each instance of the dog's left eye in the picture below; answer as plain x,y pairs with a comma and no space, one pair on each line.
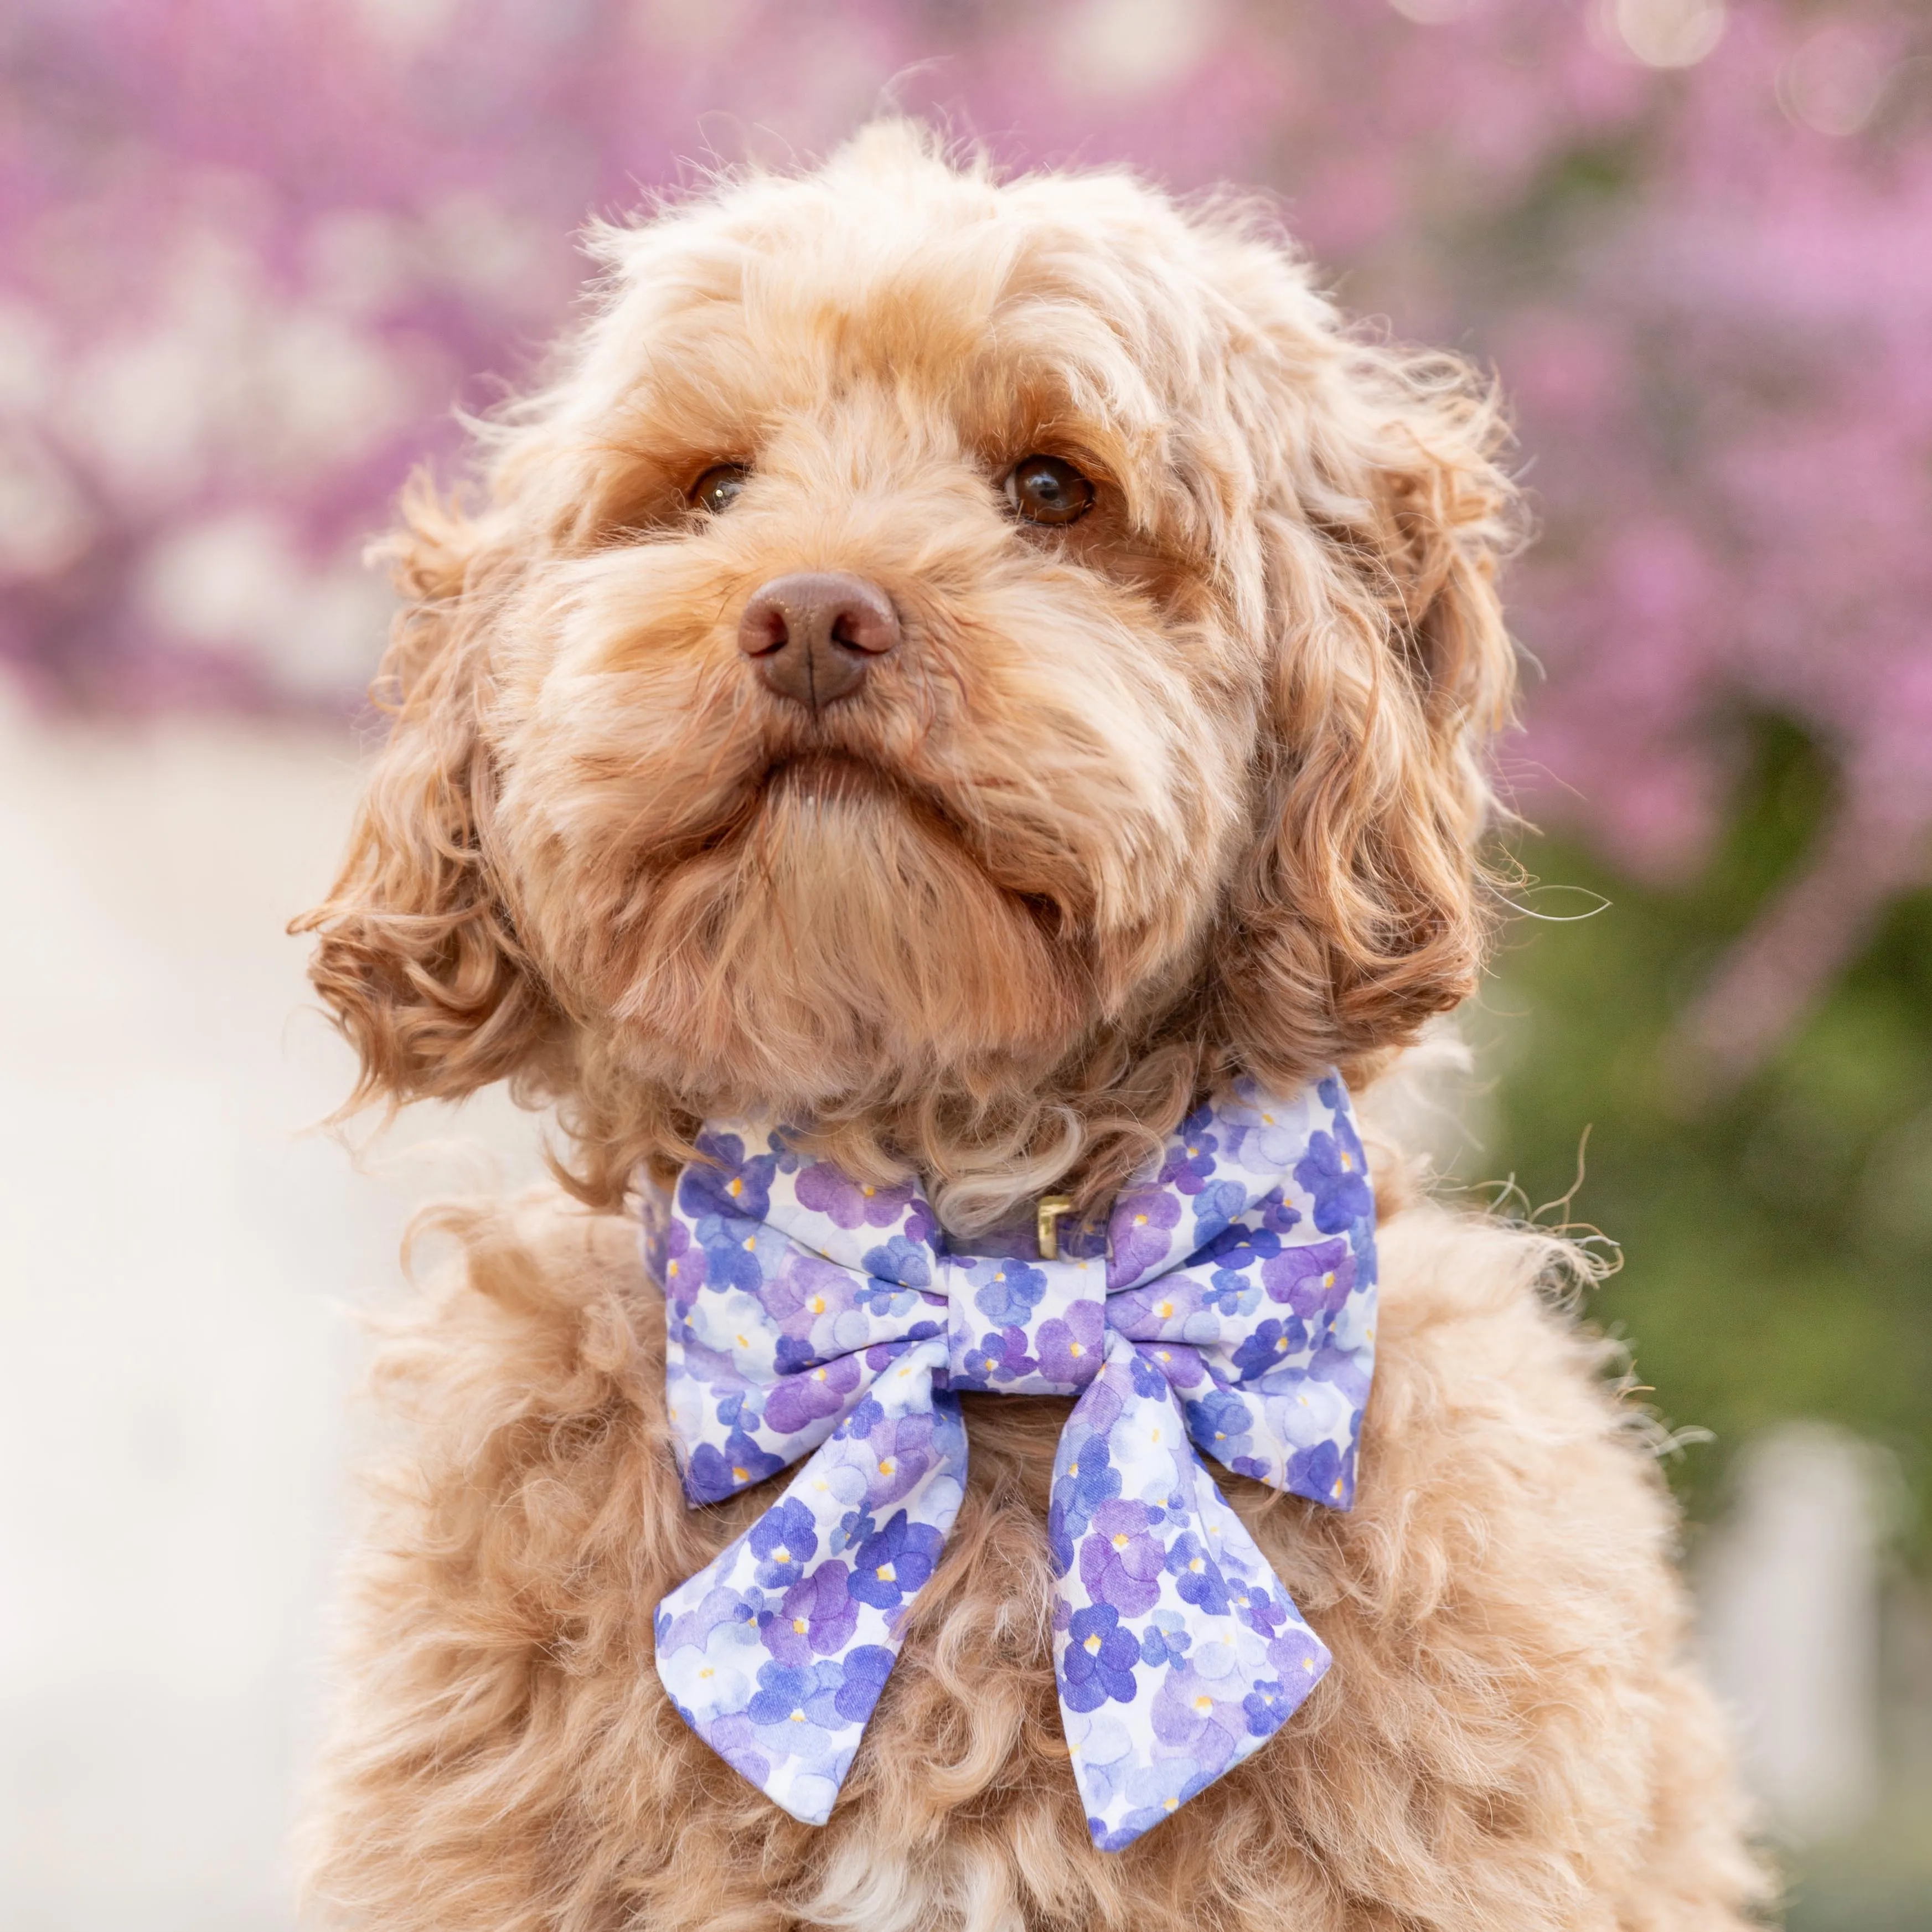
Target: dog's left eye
718,488
1046,489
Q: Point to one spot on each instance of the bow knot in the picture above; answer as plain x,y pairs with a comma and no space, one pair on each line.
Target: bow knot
812,1315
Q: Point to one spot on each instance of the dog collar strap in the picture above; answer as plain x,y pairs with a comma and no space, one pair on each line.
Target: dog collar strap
808,1316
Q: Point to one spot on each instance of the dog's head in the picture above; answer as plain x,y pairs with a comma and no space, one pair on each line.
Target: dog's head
967,661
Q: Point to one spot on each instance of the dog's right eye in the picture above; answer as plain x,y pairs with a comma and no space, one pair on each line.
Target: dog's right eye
718,489
1046,490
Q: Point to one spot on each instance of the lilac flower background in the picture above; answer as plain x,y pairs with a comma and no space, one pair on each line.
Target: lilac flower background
252,251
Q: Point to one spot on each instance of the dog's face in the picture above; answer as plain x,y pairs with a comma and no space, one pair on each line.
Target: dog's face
932,629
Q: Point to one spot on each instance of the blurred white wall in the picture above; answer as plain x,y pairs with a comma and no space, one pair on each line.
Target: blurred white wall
1790,1589
176,1256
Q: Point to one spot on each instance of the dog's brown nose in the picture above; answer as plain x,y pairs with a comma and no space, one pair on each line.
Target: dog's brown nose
813,633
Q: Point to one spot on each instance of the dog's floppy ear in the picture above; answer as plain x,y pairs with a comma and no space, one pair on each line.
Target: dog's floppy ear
415,954
1360,911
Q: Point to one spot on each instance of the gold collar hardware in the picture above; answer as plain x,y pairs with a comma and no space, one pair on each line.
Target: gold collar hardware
1047,1228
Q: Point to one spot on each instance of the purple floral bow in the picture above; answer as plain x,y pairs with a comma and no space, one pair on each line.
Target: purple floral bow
810,1315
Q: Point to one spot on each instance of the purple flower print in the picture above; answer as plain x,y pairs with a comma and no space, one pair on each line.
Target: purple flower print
788,1693
802,1398
713,1474
1316,1279
1266,1708
902,1451
1197,1576
1088,1480
1237,1246
1258,1607
907,1264
866,1672
1190,1160
729,1181
1278,1216
1298,1657
1320,1472
816,1618
1336,1171
1072,1347
807,1288
849,1204
1216,1208
1099,1661
1141,1226
784,1539
1220,1421
1270,1345
693,1626
1164,1640
1188,1715
1346,1369
1009,1297
1059,1539
894,1563
682,1267
1177,1649
730,1254
1001,1357
1120,1563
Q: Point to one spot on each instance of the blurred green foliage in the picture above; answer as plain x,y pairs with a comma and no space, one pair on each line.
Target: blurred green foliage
1777,1240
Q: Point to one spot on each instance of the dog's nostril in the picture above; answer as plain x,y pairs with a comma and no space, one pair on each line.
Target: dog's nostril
813,634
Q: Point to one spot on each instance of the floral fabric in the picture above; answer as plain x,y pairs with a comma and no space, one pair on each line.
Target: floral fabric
809,1316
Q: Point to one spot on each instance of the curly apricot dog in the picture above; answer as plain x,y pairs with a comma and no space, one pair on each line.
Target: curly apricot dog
972,669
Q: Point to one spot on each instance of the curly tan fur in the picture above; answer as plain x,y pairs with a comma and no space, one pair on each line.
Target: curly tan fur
1191,787
1509,1738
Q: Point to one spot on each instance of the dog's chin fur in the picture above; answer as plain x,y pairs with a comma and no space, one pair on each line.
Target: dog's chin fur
1188,790
845,938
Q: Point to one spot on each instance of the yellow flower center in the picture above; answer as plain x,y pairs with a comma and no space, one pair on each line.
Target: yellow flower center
1075,1349
1119,1540
887,1574
1203,1705
798,1624
736,1187
887,1467
817,1304
739,1475
1092,1646
781,1554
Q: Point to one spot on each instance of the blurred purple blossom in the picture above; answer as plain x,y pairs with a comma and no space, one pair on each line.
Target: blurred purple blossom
253,251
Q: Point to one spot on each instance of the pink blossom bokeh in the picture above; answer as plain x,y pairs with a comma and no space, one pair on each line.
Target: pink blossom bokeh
253,252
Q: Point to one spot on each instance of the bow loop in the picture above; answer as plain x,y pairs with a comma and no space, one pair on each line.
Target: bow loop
809,1315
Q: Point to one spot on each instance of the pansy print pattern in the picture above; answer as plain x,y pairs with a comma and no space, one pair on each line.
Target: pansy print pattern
811,1317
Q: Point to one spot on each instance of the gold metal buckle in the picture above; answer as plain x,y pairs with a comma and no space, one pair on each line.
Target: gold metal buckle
1047,1228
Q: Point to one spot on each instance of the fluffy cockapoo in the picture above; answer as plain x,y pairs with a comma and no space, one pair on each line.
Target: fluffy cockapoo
972,670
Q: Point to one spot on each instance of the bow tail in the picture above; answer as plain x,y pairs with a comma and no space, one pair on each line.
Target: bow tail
776,1652
1177,1650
